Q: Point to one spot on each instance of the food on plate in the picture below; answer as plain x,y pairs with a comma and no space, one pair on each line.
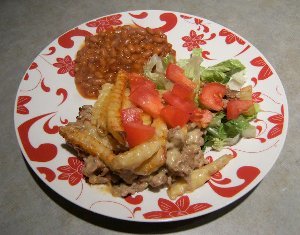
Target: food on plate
149,128
120,48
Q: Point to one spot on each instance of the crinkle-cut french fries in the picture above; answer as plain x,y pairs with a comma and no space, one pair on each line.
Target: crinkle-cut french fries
106,140
133,158
161,129
197,178
84,140
126,103
114,122
152,164
99,111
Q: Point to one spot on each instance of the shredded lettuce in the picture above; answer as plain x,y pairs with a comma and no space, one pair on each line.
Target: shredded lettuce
192,66
236,126
222,132
222,72
217,119
154,70
193,69
237,80
167,60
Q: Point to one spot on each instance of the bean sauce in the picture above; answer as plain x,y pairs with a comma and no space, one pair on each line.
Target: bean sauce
124,47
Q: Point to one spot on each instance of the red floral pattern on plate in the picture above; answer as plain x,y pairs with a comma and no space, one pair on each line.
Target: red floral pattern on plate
71,172
170,209
231,37
105,22
277,119
33,66
265,71
193,40
66,41
49,174
65,65
22,100
256,97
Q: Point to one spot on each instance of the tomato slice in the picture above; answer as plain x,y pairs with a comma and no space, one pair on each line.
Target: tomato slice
211,96
136,80
176,75
131,115
174,116
183,92
202,117
237,107
147,99
187,106
137,133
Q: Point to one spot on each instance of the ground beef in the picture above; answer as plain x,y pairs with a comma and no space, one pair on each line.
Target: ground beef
158,180
184,150
85,115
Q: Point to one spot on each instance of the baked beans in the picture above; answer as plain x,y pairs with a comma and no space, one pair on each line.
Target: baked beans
124,47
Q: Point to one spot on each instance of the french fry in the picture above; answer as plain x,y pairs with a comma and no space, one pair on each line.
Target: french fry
197,178
99,111
126,103
152,164
161,129
81,138
133,158
114,122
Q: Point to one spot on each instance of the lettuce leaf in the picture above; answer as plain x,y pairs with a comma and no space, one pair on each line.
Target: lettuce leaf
237,80
155,71
192,66
222,72
222,133
236,126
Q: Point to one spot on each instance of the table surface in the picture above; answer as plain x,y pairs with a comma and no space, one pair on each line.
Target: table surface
29,207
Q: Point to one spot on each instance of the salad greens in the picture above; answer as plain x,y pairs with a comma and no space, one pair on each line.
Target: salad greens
220,132
222,72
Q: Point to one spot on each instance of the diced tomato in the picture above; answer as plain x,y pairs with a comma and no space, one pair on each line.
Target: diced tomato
183,92
187,106
202,117
174,116
147,99
136,80
237,107
211,96
176,75
137,133
131,115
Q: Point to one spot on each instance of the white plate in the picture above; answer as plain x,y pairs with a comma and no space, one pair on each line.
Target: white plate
47,97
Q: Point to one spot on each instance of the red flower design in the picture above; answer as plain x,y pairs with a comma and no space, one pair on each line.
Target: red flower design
33,66
105,22
265,72
65,65
256,97
231,37
71,172
193,41
277,119
22,100
180,208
